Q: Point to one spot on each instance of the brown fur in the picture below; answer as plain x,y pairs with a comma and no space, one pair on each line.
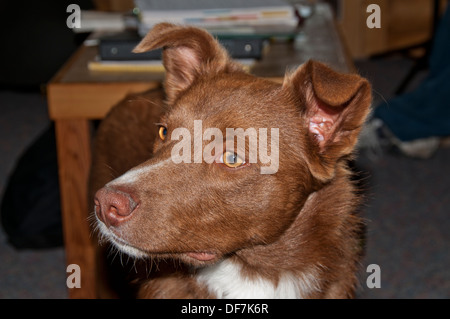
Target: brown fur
299,221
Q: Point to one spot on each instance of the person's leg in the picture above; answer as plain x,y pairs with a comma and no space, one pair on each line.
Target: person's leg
422,113
421,117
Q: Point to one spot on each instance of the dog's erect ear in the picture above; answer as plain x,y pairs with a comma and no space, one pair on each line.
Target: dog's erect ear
334,107
188,53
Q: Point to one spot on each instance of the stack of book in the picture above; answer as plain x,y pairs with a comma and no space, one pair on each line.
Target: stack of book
115,53
241,26
222,18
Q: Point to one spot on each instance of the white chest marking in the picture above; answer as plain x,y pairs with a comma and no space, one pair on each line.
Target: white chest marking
226,281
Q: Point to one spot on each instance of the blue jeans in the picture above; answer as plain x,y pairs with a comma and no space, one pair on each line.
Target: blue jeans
424,112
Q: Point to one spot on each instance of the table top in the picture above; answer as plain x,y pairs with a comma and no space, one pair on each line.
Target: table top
318,39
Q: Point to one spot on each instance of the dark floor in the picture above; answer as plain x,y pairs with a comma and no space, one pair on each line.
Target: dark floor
407,208
25,274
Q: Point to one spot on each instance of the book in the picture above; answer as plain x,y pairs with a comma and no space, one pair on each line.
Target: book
231,17
119,46
154,66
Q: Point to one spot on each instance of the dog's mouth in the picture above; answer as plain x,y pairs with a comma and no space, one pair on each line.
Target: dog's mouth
193,257
202,256
121,244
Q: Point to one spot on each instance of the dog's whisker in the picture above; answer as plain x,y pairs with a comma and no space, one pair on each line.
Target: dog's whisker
112,172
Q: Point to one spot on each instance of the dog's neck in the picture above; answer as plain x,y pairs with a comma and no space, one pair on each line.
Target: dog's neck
290,267
258,273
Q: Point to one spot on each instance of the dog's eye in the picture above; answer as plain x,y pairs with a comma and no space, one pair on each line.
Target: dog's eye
232,160
162,132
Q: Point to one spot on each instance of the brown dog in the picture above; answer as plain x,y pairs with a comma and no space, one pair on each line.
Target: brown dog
245,232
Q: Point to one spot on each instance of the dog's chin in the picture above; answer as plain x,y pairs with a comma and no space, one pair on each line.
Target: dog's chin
190,258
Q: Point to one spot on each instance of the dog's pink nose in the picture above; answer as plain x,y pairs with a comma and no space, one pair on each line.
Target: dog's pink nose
113,206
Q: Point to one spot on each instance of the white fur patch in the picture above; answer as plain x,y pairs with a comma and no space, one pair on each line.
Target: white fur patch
134,174
226,281
118,243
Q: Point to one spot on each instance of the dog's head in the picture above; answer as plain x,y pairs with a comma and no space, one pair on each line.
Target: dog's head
207,193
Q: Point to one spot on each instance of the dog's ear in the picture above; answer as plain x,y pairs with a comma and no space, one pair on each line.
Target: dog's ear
334,107
188,53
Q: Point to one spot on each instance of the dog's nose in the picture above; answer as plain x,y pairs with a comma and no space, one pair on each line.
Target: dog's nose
113,206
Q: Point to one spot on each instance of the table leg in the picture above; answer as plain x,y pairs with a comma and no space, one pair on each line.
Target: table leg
74,159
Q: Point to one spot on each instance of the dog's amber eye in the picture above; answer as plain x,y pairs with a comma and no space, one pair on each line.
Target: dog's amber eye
232,160
162,132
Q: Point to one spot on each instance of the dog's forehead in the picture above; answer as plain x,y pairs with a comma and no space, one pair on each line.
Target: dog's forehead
231,102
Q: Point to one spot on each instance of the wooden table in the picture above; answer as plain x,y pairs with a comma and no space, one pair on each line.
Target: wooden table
76,96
